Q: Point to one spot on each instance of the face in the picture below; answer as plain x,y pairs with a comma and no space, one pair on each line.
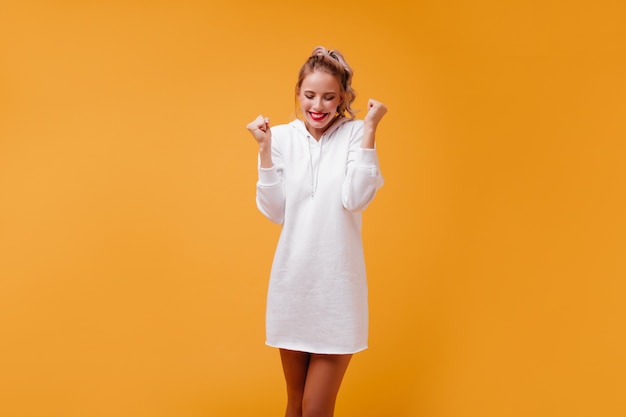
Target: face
319,97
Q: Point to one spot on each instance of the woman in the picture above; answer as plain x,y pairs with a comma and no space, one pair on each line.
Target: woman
316,175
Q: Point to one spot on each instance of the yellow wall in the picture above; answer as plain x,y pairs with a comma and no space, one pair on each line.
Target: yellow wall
133,261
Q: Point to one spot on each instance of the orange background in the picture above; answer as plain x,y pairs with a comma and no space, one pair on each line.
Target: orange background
134,264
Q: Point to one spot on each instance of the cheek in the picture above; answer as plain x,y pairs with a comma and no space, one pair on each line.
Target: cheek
331,104
303,100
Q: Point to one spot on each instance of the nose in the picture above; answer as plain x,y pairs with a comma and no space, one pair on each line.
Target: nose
317,104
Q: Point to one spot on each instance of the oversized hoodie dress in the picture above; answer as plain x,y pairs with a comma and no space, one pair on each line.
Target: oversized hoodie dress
317,294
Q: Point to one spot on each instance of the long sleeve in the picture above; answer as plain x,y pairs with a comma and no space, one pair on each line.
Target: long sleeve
270,190
363,178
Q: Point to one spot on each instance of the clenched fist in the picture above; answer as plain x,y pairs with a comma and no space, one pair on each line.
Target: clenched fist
375,111
260,130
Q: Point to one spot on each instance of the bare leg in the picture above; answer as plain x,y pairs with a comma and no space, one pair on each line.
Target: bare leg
323,380
295,367
313,381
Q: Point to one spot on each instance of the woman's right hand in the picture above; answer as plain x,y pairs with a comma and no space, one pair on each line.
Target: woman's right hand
260,130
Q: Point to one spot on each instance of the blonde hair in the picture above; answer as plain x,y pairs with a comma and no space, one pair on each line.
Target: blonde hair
331,62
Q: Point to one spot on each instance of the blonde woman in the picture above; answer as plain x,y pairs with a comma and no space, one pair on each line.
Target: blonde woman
316,175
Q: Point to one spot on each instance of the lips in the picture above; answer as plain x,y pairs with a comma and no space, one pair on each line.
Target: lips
317,116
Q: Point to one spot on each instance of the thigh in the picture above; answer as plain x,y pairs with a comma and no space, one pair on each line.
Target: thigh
295,367
323,380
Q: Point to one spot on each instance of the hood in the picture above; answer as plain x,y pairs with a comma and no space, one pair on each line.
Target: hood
301,127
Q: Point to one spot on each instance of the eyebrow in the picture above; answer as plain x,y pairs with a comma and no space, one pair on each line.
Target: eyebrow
313,92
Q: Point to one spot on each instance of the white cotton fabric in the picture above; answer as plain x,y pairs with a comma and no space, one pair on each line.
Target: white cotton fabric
317,295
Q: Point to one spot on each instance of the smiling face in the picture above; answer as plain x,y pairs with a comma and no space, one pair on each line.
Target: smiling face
319,96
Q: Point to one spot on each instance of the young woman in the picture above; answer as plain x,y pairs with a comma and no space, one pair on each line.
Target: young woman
316,175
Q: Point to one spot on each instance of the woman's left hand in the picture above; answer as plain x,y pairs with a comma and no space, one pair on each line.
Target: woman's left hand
375,112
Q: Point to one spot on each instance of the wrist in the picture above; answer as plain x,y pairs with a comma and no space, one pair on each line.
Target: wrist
370,124
265,156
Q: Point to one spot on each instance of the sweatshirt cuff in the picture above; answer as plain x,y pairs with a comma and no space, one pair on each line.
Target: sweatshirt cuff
367,157
268,176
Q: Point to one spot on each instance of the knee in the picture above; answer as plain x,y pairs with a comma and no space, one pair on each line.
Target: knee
316,409
294,406
294,398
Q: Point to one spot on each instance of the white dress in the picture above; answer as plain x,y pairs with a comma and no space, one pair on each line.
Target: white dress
317,295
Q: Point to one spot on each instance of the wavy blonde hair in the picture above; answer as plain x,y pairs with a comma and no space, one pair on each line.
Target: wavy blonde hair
331,62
